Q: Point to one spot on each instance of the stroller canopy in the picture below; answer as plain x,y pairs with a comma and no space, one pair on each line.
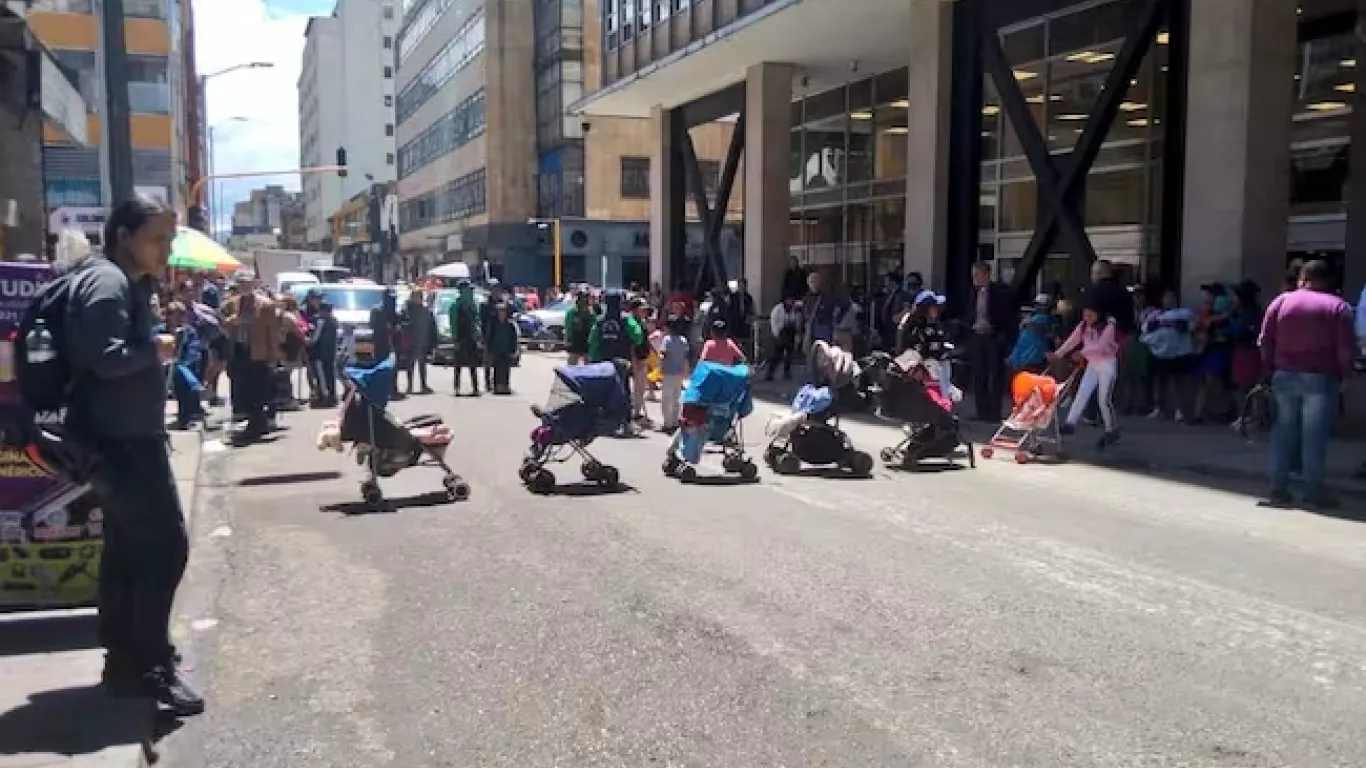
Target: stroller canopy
719,385
597,385
375,385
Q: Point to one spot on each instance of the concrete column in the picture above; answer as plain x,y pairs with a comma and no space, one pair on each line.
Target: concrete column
1239,109
768,144
1354,263
663,211
927,142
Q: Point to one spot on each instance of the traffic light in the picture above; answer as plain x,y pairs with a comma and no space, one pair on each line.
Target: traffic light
341,162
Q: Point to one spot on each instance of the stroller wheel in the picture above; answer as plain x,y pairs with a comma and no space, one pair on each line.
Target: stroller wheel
732,464
789,464
860,463
542,481
609,476
687,473
888,455
456,488
1022,457
370,492
987,451
771,456
748,470
592,470
670,465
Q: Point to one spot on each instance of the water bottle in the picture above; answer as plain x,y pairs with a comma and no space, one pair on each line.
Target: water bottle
38,346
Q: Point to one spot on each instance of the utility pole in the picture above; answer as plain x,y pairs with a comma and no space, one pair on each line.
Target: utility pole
118,138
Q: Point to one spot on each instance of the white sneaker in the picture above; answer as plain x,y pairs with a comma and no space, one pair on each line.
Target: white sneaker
1179,417
1156,414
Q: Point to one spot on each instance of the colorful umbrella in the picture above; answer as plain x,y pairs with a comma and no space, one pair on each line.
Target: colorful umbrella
192,249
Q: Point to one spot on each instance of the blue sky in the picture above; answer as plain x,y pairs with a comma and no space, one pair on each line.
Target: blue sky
266,138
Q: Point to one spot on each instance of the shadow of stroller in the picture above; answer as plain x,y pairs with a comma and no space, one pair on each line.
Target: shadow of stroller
389,505
83,721
589,489
719,481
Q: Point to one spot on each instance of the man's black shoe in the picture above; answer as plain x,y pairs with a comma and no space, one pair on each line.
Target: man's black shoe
168,686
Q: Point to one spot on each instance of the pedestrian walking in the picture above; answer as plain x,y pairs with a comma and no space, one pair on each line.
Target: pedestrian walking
117,410
1308,345
422,329
1095,337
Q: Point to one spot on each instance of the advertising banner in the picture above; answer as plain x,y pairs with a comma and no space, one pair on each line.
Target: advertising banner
49,529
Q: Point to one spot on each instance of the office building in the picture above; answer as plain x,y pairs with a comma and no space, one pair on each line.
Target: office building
486,147
1184,140
263,212
346,101
160,73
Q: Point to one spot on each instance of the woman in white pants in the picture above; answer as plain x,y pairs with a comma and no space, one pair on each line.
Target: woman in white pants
1095,338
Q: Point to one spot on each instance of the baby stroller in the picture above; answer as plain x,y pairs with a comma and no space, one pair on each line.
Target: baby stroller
715,402
811,434
586,402
384,446
908,390
1034,424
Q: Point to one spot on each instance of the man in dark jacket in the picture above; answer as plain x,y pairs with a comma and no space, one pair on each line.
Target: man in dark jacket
117,411
1110,298
322,356
995,322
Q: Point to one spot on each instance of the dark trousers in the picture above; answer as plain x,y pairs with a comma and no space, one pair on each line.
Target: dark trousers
252,388
502,373
784,352
417,365
988,353
145,548
323,377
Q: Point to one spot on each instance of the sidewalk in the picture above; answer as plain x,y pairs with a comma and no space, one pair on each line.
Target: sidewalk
52,712
1207,455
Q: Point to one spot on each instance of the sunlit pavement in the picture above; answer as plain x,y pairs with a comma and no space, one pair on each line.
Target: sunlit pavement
1003,616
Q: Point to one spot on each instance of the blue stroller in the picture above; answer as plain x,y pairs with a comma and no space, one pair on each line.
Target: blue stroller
384,446
715,402
586,402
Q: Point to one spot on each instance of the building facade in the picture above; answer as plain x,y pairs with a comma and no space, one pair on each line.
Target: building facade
346,102
264,211
1035,135
160,73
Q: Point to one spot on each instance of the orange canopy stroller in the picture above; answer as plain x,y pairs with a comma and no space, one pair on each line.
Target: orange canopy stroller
1034,425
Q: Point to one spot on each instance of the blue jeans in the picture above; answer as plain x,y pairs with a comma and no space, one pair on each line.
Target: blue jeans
1306,404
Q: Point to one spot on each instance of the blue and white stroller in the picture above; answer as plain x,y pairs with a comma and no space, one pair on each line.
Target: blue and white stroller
385,446
586,402
715,403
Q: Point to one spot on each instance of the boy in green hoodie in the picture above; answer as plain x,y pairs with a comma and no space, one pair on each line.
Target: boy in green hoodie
467,335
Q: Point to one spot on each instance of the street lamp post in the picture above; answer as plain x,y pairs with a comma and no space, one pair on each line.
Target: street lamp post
213,191
554,225
205,131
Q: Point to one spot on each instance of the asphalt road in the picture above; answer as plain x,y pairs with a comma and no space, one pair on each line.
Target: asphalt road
1004,616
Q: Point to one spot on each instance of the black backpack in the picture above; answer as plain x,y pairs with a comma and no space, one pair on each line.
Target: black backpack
44,375
612,341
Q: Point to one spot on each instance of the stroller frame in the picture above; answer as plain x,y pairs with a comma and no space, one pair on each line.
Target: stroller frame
540,480
912,449
734,459
369,456
1029,441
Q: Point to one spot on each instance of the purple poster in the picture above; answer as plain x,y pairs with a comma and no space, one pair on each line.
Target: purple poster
49,529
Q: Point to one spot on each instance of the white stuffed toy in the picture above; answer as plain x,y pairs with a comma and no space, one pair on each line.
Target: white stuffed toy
330,437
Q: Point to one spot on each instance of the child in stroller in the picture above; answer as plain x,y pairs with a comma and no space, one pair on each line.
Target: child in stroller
715,402
811,434
586,402
384,446
908,389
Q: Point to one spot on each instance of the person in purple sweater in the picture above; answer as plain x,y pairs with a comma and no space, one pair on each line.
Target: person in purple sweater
1307,344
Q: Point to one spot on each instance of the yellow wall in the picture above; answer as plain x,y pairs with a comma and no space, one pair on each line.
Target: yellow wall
82,32
149,131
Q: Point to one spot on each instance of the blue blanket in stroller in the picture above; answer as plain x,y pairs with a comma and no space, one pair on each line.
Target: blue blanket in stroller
375,384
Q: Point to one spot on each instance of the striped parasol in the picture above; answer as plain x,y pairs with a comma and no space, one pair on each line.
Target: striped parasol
192,249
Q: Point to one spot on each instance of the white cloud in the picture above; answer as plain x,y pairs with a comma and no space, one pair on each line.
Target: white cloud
232,32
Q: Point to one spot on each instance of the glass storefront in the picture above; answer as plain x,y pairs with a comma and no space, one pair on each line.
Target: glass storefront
1061,63
848,181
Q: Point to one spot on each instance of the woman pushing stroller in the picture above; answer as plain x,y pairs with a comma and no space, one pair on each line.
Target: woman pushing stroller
1095,338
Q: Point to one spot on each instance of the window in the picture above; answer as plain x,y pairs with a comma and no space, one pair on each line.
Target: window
388,42
450,132
388,12
149,90
419,24
79,68
455,56
635,178
388,73
388,129
458,199
389,158
146,9
388,100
